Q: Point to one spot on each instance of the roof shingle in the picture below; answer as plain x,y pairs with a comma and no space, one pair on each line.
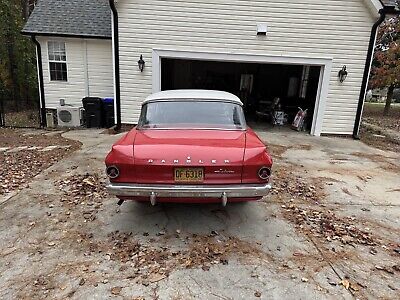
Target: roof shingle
89,18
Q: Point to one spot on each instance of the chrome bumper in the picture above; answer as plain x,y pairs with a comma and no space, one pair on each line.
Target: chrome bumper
190,191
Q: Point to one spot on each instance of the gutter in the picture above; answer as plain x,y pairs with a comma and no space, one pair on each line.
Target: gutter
66,35
116,65
41,83
386,10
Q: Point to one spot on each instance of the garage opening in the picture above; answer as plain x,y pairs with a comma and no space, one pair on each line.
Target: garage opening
271,93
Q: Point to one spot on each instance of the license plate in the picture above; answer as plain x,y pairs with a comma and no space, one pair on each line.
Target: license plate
189,174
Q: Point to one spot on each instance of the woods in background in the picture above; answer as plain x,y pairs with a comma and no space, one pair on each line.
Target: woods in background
18,75
385,71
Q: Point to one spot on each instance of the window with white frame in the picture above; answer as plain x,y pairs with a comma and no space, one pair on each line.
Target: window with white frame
57,61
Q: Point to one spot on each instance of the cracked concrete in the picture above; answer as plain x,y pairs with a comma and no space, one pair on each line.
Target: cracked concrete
363,186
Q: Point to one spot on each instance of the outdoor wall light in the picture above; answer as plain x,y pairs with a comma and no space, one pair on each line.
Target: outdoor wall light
141,63
343,74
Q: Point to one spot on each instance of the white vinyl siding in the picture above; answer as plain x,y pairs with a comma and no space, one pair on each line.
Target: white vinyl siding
333,29
100,68
89,67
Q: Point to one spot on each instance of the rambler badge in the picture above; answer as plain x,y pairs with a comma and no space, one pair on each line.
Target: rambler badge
188,161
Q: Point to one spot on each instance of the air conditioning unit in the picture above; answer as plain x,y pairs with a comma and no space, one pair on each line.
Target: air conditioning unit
69,116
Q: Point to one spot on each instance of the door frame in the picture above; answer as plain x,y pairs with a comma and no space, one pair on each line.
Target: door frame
323,86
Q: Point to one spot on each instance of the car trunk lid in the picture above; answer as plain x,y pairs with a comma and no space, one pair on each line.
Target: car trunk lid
159,154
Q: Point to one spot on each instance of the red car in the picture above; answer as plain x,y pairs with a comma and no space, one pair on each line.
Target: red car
190,146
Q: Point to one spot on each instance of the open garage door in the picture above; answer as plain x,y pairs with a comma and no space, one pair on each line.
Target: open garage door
265,89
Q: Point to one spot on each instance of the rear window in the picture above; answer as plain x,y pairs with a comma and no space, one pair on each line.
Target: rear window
192,114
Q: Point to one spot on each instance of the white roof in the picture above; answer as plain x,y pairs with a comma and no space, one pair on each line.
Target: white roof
193,95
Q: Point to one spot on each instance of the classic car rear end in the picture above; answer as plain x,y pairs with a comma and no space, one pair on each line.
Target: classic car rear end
190,146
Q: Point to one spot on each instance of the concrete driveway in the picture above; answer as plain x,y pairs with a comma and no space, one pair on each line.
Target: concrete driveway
330,230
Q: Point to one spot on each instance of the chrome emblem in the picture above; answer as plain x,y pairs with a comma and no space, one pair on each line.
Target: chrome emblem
188,161
224,171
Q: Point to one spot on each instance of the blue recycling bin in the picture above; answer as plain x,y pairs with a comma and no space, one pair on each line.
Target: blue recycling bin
108,112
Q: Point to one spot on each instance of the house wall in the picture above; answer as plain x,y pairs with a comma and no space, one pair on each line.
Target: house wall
89,67
334,29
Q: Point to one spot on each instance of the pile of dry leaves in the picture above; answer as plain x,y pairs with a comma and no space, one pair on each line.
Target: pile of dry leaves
86,190
287,184
148,263
326,224
18,168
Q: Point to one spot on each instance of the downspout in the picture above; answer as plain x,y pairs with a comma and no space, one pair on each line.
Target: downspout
41,83
368,62
116,64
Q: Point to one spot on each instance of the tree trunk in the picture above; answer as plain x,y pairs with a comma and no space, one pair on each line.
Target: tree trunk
389,98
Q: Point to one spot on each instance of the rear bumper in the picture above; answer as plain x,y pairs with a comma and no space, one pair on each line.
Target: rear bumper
189,191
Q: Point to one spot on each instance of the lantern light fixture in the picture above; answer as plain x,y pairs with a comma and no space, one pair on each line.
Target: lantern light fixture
141,63
343,74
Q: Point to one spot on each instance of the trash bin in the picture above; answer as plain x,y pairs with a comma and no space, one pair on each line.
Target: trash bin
108,112
93,112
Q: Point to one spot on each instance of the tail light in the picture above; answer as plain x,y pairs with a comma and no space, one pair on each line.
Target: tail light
112,172
264,173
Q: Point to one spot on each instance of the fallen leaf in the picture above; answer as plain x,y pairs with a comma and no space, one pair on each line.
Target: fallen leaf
155,277
116,290
8,251
345,283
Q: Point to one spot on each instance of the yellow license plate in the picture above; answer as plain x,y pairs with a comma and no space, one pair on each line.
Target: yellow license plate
189,174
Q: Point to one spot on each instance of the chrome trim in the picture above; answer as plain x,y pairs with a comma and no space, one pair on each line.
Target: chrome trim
191,191
224,199
115,175
224,171
153,198
192,99
264,167
196,128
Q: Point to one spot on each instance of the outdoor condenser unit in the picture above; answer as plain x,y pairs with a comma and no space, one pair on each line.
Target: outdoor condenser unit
69,116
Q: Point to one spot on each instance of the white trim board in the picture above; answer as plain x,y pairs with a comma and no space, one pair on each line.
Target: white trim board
324,62
374,5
